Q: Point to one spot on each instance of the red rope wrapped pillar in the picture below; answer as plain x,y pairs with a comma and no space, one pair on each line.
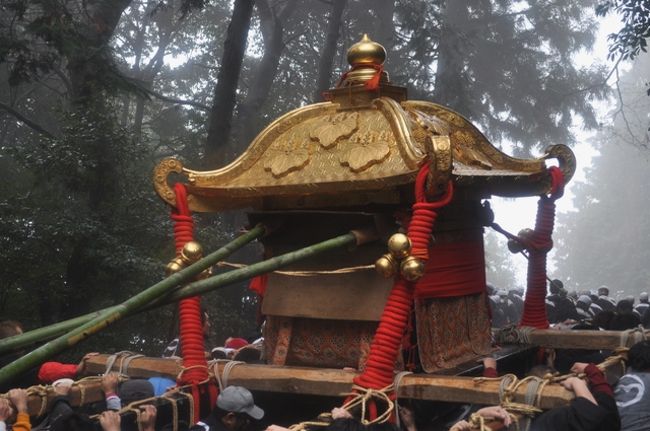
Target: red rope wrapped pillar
195,366
386,344
538,246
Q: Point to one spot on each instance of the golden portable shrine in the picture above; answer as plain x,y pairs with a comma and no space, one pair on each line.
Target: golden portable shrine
369,207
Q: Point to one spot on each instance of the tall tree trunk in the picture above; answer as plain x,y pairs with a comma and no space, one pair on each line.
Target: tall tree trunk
449,88
102,18
326,60
223,105
266,71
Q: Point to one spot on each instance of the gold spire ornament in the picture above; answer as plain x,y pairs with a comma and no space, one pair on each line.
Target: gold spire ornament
366,52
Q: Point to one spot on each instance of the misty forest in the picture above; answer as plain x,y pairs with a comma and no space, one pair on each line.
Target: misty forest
94,93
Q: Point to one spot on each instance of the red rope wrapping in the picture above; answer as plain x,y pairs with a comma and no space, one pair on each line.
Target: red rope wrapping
454,269
371,84
538,246
191,329
386,344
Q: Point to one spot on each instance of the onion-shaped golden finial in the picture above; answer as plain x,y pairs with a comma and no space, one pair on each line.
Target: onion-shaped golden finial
399,245
386,266
366,52
412,268
174,266
191,252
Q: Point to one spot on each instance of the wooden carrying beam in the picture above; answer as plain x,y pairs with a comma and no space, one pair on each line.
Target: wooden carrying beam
333,382
572,339
40,397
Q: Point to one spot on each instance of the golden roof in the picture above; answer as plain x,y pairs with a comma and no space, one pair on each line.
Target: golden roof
362,146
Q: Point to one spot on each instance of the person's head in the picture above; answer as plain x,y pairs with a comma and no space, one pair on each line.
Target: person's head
584,302
593,296
624,306
491,290
603,319
555,286
235,343
236,408
630,299
638,358
623,321
9,328
643,297
603,291
135,390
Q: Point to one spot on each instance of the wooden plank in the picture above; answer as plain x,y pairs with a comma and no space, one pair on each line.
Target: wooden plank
580,339
357,296
334,382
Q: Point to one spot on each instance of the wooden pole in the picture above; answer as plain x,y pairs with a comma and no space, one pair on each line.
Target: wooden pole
155,292
87,391
48,332
575,339
334,382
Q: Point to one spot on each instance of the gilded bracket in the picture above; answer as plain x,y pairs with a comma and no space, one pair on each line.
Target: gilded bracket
565,157
161,173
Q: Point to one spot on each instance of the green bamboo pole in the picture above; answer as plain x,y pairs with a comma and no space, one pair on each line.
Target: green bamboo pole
202,286
140,300
16,342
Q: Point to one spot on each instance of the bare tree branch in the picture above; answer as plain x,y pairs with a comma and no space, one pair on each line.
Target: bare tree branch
23,119
177,101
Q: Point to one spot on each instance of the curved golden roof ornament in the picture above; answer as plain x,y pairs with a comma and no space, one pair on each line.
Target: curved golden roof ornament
363,146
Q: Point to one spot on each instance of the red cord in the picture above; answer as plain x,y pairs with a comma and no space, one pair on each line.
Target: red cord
386,344
191,329
538,246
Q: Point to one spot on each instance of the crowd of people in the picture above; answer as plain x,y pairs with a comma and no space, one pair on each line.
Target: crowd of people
596,307
597,405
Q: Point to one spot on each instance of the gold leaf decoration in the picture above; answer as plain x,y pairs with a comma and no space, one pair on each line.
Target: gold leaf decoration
337,127
365,150
287,157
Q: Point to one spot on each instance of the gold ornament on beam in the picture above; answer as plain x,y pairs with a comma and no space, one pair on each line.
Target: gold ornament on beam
399,246
386,266
412,268
191,252
174,266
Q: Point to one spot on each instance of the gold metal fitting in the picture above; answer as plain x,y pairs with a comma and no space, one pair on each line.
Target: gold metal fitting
192,251
412,268
174,266
386,266
399,245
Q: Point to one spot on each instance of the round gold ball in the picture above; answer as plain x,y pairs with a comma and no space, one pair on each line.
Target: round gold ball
173,267
399,245
386,266
412,268
192,251
366,52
